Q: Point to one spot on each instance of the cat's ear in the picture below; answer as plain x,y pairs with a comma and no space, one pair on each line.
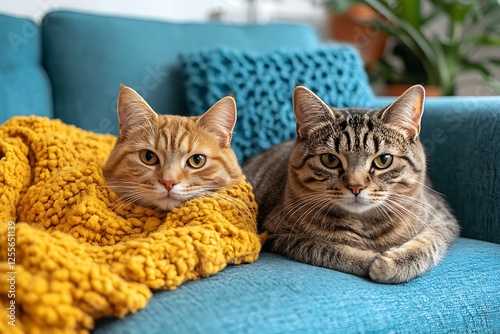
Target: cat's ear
406,112
132,110
220,120
309,110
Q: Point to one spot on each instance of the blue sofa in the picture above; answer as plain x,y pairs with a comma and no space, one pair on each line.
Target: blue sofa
70,67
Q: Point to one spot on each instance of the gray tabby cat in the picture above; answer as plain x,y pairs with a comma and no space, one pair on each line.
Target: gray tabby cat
350,192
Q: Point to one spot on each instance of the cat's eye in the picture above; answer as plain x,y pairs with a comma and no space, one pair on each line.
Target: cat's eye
330,160
149,157
197,161
382,161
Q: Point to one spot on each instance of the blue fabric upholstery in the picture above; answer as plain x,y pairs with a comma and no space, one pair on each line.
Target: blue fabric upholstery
88,56
461,136
24,88
262,84
277,295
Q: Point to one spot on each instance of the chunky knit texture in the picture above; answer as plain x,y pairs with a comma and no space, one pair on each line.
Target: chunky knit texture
262,84
79,255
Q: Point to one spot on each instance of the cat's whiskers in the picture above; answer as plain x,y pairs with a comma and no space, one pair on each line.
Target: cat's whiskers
322,205
386,208
306,213
296,204
385,211
136,193
429,188
240,206
127,200
403,209
134,198
113,183
382,199
414,201
120,204
304,200
115,204
423,205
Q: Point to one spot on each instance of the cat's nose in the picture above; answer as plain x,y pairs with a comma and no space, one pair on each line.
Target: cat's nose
356,188
169,184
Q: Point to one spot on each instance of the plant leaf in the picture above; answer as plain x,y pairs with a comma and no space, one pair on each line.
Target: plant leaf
488,40
468,66
412,37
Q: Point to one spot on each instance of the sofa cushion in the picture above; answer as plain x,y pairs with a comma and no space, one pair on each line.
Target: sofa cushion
24,87
88,56
277,295
262,84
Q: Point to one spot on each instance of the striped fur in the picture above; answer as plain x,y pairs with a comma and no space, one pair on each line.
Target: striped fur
386,223
174,140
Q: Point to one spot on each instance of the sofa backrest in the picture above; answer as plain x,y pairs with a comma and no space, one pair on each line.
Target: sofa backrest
88,56
24,87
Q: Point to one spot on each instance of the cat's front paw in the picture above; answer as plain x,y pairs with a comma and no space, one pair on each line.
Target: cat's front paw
383,270
399,265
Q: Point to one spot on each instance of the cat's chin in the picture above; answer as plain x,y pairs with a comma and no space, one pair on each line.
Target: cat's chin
166,201
167,204
357,206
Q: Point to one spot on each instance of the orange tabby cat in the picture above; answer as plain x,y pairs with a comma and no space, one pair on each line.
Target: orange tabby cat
162,161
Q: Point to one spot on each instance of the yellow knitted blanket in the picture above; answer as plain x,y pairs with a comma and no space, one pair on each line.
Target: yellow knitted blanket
69,255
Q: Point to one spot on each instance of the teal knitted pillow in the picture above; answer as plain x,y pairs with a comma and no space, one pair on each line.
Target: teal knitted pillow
262,84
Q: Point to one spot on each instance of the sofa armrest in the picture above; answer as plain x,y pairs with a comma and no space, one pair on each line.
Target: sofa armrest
461,136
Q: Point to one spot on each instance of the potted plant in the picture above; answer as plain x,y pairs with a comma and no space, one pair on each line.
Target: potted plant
441,56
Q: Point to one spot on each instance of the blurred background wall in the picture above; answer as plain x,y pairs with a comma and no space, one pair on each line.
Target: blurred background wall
307,11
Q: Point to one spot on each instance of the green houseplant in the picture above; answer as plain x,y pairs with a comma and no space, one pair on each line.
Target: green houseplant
443,54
